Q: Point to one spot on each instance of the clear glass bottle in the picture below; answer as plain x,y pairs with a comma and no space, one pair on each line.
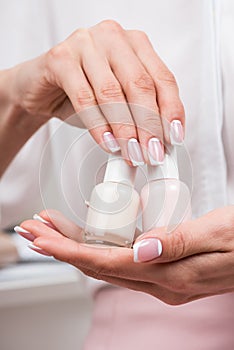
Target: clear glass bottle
113,206
165,200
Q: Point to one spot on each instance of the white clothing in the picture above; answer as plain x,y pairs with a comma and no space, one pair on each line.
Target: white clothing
192,37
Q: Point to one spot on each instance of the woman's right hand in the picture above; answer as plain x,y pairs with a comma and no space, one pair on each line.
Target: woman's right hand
98,72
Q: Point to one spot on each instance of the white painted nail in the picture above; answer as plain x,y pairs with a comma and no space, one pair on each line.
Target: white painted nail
176,132
111,142
33,246
19,229
39,218
155,151
147,249
134,152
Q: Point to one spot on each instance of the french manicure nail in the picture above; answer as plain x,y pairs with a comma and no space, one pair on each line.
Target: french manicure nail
147,249
155,151
110,142
176,132
134,152
39,218
38,249
21,231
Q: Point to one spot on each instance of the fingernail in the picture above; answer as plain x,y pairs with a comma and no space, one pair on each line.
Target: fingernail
147,249
38,249
21,231
39,218
155,151
110,142
176,132
134,152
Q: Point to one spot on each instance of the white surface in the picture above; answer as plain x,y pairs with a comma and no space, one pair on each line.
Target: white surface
43,305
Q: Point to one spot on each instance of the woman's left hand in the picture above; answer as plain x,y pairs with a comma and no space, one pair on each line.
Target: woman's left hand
196,260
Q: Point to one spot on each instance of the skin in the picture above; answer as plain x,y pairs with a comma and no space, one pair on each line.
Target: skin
102,68
197,259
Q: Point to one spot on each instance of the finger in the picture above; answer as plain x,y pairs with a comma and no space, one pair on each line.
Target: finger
109,95
140,93
169,102
65,71
202,235
111,262
65,226
31,229
89,261
137,85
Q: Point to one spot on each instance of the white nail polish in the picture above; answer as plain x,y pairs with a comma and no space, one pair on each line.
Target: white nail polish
134,152
19,229
39,218
110,142
155,151
33,246
135,251
176,132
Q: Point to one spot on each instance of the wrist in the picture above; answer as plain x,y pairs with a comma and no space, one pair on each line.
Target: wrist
16,124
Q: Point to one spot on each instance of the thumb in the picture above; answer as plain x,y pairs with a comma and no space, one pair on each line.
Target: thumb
192,237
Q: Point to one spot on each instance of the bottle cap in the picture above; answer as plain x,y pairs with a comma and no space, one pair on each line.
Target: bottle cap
168,170
117,170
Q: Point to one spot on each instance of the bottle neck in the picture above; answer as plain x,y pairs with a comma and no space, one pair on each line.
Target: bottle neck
168,170
117,170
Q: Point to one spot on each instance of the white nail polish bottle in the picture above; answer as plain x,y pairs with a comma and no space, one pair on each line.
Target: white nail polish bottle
113,206
165,200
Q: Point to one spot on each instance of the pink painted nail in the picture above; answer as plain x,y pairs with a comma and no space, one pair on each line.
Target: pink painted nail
21,231
47,223
110,142
147,249
176,132
134,152
38,249
155,151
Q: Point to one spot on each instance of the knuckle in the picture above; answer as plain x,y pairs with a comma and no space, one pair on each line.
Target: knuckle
151,124
139,34
110,90
85,97
165,76
82,35
110,25
143,83
56,53
178,245
126,130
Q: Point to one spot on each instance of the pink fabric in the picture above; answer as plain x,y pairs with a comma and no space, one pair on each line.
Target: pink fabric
128,320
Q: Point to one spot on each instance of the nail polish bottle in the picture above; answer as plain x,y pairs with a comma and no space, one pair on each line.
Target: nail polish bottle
113,206
165,200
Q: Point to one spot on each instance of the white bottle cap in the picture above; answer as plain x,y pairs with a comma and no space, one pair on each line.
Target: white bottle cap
117,170
168,170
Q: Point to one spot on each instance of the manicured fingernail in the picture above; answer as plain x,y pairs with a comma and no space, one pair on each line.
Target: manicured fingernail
134,152
21,231
155,151
147,249
38,249
176,132
110,142
39,218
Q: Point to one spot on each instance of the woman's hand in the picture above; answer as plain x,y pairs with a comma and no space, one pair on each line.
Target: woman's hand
195,261
97,72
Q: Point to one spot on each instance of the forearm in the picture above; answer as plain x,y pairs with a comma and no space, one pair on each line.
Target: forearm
16,125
